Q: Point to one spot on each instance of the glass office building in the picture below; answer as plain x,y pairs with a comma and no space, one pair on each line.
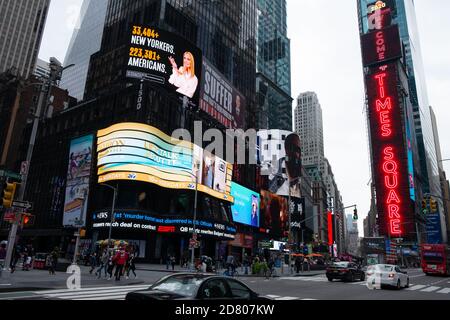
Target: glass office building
274,66
86,40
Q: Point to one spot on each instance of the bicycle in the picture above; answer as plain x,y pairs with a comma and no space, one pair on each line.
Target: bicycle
233,274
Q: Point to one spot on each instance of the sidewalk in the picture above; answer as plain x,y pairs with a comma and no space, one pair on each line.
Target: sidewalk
178,269
35,280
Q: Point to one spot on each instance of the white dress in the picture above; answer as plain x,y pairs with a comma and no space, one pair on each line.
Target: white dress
187,85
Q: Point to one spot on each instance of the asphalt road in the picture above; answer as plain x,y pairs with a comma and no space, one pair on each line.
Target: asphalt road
37,285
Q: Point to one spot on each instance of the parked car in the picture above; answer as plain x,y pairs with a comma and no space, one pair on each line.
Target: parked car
196,286
346,271
388,275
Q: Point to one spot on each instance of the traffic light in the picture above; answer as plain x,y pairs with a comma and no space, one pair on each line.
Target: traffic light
27,220
9,191
433,206
82,233
355,214
424,205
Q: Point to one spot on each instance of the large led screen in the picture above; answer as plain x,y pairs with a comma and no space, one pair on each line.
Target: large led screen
138,152
246,205
164,58
77,187
274,213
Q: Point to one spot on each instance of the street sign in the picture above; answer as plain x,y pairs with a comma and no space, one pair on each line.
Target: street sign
22,205
10,174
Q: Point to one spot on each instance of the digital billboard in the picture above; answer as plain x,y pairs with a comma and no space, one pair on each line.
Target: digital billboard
246,205
389,152
283,165
138,152
380,46
77,187
133,220
164,58
274,213
220,99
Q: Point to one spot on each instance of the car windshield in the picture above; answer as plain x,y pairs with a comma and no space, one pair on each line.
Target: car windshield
183,285
385,268
341,264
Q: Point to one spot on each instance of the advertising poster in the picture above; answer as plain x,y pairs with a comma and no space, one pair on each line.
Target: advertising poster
434,235
220,99
274,213
164,58
77,188
138,152
284,172
246,207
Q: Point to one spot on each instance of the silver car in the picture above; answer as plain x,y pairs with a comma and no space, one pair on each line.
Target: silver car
387,275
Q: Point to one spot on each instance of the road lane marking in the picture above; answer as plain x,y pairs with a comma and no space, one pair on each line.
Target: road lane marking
90,289
445,291
91,292
272,296
430,289
121,297
417,287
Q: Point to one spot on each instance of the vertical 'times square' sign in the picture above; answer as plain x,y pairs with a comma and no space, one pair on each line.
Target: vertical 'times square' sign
390,162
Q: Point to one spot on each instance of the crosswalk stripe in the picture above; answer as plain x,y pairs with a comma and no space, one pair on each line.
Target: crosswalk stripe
89,289
90,294
122,297
288,298
445,290
78,292
417,287
430,289
272,296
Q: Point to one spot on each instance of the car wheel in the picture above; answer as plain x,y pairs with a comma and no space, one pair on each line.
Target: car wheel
351,277
398,285
407,283
330,279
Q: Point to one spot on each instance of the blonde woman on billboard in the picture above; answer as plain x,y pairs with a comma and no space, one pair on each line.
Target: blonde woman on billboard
184,78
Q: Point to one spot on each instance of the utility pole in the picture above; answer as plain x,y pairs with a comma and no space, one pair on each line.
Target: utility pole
55,75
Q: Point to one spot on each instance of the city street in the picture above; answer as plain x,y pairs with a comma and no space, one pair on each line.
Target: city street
24,286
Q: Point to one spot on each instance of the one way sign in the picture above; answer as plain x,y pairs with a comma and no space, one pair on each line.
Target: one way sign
22,205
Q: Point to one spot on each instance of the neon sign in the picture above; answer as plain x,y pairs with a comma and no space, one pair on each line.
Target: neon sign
390,161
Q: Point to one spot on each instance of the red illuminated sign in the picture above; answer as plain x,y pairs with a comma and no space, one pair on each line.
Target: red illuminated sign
164,229
381,46
330,228
389,151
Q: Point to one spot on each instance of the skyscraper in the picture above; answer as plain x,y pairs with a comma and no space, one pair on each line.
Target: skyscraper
309,126
86,40
422,162
21,27
273,66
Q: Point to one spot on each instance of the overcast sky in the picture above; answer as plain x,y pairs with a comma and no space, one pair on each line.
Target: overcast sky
326,58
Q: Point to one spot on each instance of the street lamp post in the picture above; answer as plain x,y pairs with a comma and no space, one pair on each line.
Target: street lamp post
194,233
112,218
44,95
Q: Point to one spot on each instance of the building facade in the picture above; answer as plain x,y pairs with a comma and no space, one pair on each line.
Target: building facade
21,28
397,18
111,99
86,40
273,79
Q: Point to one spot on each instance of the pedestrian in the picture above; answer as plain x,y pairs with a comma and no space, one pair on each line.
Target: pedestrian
93,262
54,255
103,264
173,262
169,256
246,263
131,266
48,263
16,257
120,259
298,264
111,265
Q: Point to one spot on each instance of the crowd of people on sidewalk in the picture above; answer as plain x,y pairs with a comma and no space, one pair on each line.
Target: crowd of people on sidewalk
120,262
